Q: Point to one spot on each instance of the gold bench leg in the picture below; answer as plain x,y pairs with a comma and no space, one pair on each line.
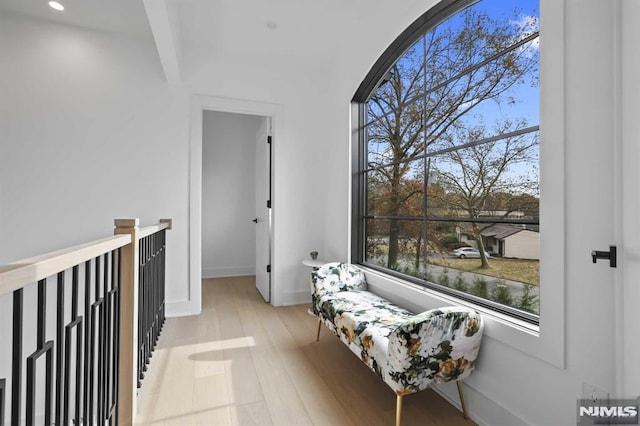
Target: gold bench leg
319,325
398,409
461,394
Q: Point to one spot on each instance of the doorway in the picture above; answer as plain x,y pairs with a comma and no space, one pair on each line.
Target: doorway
261,218
235,196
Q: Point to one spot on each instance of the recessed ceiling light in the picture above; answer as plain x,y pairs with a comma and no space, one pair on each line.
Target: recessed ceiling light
56,5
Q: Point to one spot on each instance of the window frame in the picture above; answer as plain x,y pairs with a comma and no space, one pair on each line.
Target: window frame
429,20
547,341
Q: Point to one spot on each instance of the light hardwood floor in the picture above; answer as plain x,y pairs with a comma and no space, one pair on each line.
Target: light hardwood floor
244,362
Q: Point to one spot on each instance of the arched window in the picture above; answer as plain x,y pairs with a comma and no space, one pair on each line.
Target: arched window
446,193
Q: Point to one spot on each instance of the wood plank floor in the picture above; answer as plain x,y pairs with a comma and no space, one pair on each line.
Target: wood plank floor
244,362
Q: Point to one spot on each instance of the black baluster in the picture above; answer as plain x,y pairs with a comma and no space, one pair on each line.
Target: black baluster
116,376
147,298
141,310
76,323
95,352
162,280
43,348
156,295
149,305
101,341
87,341
16,359
59,347
107,332
2,393
108,335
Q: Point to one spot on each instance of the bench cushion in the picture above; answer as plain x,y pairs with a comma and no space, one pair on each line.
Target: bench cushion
363,321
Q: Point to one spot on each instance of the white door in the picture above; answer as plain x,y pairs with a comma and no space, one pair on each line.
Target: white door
263,210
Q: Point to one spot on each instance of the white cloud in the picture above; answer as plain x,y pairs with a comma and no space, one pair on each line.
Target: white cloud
528,24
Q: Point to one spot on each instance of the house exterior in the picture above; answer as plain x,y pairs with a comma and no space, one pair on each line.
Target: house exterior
93,111
514,241
523,244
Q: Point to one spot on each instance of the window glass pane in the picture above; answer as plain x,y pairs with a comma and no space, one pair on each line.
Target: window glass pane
396,190
498,180
510,269
452,159
446,254
395,130
478,34
398,245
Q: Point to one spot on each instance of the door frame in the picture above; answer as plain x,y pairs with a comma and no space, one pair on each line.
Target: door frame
200,104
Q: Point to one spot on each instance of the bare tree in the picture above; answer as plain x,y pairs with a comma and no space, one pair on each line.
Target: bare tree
472,176
438,82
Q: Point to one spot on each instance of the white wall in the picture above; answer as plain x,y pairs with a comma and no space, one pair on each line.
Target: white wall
90,132
628,226
228,194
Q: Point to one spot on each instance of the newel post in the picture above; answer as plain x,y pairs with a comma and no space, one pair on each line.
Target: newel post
128,354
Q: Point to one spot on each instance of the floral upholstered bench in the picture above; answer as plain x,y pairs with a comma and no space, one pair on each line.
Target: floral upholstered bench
407,351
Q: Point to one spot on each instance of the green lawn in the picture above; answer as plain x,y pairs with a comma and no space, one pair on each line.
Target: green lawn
524,271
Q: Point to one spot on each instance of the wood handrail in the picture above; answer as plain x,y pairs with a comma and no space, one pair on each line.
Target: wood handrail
28,271
152,229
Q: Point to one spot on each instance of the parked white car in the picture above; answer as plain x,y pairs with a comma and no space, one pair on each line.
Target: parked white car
468,252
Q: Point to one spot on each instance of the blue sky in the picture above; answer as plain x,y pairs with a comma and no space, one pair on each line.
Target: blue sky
521,100
527,104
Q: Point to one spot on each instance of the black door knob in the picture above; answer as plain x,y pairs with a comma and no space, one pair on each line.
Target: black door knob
255,220
611,256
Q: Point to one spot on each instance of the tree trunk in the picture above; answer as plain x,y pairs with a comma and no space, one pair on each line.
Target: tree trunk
394,224
394,231
478,236
418,250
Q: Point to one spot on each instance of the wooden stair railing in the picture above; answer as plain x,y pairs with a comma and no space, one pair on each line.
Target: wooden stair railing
87,370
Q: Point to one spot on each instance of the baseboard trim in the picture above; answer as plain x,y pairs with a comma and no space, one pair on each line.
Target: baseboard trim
225,272
181,308
481,409
295,298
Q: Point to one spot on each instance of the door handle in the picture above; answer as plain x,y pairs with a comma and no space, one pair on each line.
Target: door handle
255,220
611,255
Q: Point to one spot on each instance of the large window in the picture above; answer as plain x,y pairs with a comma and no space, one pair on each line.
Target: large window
446,192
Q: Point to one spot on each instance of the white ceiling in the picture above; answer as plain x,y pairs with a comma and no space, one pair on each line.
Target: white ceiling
309,32
126,17
308,29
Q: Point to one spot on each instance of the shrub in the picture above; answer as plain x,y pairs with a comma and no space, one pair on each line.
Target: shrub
501,294
460,283
443,279
429,276
479,287
528,302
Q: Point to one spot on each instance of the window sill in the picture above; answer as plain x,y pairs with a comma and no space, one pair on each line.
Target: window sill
520,335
